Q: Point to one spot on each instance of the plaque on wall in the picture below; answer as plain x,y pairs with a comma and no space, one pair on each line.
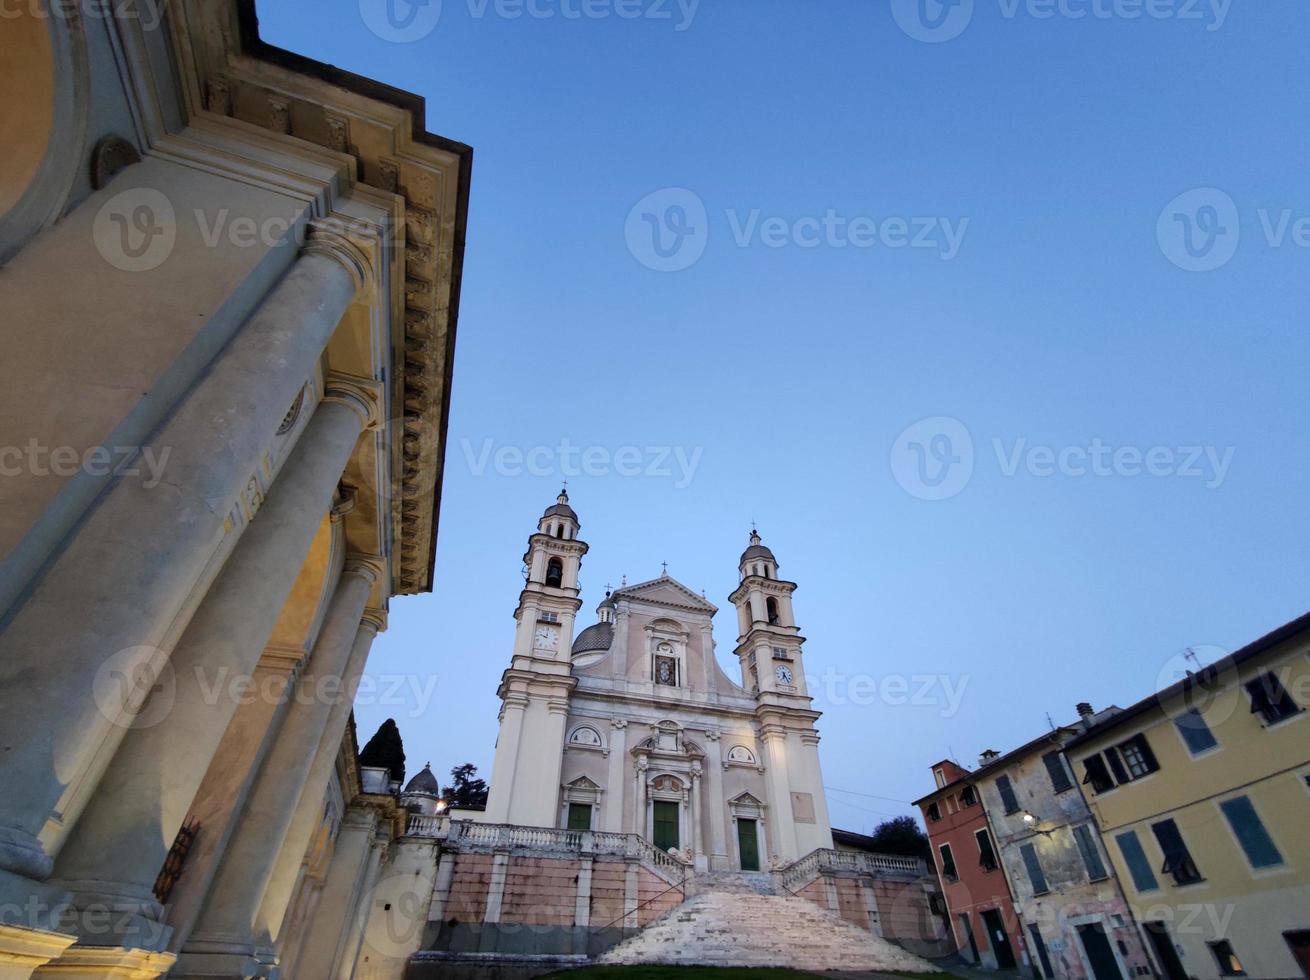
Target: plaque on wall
802,807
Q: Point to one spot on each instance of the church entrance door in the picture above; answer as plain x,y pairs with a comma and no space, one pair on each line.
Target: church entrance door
748,844
666,824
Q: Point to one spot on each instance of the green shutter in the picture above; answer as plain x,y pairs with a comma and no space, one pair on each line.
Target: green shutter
1091,855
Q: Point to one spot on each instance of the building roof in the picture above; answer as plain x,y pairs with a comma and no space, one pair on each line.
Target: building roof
851,839
756,550
424,782
597,636
1206,674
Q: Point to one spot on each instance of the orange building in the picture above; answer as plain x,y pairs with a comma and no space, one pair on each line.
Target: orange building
986,929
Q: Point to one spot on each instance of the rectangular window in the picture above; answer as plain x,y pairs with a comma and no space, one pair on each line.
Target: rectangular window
948,863
780,654
1140,868
1251,834
1229,964
1270,700
968,796
1177,859
1034,866
934,812
1060,780
939,778
1116,766
1090,852
1040,944
986,853
579,816
1138,757
1007,794
1098,776
1195,732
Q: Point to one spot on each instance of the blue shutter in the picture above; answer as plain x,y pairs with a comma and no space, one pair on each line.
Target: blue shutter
1091,855
1135,858
1251,834
1035,873
1195,732
1007,794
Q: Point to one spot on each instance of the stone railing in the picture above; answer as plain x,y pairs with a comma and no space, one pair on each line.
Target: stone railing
825,860
466,835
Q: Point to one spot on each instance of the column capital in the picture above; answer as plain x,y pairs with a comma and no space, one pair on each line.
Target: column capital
375,618
365,566
364,395
330,237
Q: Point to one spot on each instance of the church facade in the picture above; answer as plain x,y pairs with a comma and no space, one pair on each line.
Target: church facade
631,726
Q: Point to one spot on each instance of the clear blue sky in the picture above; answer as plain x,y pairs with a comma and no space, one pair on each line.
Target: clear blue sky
1064,317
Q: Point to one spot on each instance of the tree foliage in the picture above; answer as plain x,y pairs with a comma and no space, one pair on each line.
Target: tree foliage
467,791
385,750
902,836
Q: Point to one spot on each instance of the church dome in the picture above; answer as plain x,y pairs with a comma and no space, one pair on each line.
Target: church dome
597,636
424,782
756,550
561,508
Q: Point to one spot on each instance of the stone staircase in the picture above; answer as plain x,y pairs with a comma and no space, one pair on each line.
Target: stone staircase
741,919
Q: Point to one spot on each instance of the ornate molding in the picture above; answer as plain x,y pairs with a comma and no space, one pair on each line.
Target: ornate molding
370,567
374,618
328,237
364,395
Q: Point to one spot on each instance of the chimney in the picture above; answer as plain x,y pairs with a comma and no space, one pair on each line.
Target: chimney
1085,711
987,756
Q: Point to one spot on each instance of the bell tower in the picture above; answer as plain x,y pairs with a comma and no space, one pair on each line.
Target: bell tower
768,643
773,669
534,691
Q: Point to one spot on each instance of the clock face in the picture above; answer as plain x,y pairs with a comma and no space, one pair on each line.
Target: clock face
783,674
546,638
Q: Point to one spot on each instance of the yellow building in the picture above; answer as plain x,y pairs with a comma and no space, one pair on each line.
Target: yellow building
1202,795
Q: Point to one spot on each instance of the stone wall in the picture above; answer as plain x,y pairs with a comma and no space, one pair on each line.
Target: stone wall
900,908
530,904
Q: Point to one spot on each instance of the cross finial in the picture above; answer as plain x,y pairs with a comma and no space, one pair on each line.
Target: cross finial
623,581
666,567
753,527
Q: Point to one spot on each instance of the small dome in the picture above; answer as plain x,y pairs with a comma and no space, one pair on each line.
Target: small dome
597,636
424,782
756,550
561,508
607,602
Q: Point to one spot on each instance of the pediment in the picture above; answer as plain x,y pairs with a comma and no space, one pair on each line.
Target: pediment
583,783
667,591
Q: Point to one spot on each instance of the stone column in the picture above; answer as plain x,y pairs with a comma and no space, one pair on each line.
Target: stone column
226,926
714,775
697,818
309,810
121,585
119,845
612,819
639,815
324,943
774,740
505,764
360,908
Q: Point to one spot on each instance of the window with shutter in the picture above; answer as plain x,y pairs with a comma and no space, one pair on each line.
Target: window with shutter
1177,859
1007,794
1138,866
1256,843
1034,867
1138,757
1060,780
1090,852
1270,699
1117,766
934,812
1195,732
986,853
1098,776
948,863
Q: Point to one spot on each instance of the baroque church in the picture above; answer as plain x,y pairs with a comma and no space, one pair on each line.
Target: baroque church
631,726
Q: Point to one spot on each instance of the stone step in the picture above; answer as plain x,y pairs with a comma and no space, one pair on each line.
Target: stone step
731,925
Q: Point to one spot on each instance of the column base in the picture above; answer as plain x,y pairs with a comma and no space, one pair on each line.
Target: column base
108,916
101,962
35,906
23,950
